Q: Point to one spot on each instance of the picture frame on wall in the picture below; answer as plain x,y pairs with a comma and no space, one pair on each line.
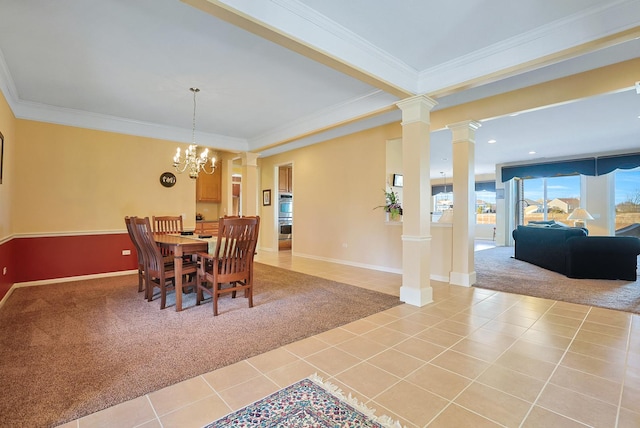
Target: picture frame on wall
1,155
397,180
266,197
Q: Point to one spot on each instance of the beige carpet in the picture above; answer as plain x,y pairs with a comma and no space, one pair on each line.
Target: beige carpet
497,270
67,350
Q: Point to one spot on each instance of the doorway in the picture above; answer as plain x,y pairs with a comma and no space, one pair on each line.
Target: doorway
236,189
285,207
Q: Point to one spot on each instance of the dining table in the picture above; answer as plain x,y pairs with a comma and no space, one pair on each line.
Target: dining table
179,246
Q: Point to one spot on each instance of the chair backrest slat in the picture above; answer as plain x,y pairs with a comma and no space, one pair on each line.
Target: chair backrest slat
236,244
142,227
134,239
167,224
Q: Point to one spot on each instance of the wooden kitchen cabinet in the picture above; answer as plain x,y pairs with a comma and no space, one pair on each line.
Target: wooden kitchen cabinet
206,227
209,186
285,179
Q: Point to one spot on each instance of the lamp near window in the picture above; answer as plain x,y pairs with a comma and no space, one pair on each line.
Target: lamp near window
579,217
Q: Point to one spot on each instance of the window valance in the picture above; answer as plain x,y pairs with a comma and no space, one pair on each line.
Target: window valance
486,186
607,164
440,188
550,169
489,186
590,166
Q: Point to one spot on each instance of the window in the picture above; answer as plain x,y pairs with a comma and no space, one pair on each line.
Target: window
485,194
552,198
486,206
627,197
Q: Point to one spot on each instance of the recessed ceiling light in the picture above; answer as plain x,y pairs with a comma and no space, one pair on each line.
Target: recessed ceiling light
491,141
532,152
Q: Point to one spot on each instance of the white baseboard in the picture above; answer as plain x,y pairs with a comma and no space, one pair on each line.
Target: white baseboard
348,263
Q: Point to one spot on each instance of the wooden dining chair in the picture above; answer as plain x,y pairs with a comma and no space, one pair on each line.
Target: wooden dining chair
230,268
141,264
159,272
165,225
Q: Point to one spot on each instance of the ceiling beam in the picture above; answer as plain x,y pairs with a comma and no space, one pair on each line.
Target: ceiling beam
609,79
544,61
246,22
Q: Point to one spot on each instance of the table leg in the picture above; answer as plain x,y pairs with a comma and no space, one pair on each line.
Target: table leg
177,266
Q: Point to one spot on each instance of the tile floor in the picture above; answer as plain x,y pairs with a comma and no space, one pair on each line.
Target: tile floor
473,358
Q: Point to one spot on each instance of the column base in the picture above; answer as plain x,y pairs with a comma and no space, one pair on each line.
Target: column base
416,296
463,279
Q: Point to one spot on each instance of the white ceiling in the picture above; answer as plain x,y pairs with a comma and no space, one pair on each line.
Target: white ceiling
127,66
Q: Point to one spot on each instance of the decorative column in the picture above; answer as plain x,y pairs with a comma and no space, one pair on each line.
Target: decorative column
227,193
464,203
416,204
249,195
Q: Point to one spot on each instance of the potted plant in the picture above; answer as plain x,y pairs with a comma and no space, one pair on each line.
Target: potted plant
392,205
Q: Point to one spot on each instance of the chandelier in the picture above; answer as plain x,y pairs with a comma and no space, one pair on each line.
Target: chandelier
445,203
190,160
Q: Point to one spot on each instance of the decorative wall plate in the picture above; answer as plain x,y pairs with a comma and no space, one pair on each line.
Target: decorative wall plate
167,179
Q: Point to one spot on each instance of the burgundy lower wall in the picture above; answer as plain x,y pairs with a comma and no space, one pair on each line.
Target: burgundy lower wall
34,259
6,260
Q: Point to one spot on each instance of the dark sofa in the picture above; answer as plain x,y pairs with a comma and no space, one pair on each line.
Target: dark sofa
570,251
631,230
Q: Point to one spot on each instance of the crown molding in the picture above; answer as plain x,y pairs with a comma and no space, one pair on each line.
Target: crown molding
554,42
101,122
307,130
70,117
318,124
7,86
362,124
323,119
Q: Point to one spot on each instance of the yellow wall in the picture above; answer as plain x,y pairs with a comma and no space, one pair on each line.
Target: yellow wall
7,128
62,179
336,185
209,210
71,179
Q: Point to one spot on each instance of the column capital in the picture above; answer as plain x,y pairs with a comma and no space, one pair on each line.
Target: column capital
249,159
464,131
416,109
